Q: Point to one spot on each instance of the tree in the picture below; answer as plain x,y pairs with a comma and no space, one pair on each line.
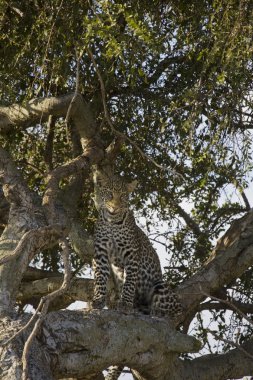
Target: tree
164,93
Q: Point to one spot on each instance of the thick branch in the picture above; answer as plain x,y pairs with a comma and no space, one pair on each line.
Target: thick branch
81,289
25,214
36,110
33,274
81,241
33,241
11,364
14,188
146,344
80,344
234,364
232,255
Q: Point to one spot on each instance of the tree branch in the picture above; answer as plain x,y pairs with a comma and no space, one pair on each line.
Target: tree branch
246,201
231,305
14,188
70,339
33,241
244,307
188,220
232,255
115,131
35,110
231,343
81,289
137,341
234,364
33,274
48,153
25,214
81,242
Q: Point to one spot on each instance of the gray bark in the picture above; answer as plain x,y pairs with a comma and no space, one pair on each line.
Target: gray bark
30,292
80,344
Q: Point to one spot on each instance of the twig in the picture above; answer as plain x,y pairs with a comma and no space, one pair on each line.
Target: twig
34,167
114,130
35,238
188,219
17,10
76,93
230,342
114,148
46,302
48,153
246,201
226,302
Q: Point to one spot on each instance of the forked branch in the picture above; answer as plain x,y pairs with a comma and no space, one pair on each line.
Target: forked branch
230,304
114,130
33,241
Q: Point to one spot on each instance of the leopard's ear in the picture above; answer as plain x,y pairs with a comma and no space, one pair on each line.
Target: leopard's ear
98,178
132,185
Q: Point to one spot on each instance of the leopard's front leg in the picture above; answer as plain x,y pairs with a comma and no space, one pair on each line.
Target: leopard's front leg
101,275
129,286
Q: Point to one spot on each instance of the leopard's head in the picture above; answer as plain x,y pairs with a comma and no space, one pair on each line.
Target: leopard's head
111,193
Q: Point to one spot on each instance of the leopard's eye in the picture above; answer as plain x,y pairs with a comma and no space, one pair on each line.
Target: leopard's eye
108,196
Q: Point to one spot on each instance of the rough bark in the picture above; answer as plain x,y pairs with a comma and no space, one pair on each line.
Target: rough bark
68,344
69,341
26,221
30,292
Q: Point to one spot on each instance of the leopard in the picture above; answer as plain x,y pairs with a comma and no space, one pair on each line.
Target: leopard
124,252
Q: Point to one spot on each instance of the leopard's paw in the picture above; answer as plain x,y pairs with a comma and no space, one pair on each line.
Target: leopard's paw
98,303
125,307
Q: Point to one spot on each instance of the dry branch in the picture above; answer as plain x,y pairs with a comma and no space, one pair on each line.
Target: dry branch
232,255
230,304
230,342
33,241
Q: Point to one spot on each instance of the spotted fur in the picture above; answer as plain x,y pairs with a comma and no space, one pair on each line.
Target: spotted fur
123,250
